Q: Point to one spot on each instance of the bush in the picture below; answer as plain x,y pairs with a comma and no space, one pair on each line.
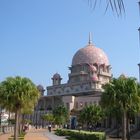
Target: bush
20,137
81,135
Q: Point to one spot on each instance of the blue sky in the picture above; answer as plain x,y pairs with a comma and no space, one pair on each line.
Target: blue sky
39,37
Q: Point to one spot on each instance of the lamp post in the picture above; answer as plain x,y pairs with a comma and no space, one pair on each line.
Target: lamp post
0,118
139,72
138,116
0,122
139,45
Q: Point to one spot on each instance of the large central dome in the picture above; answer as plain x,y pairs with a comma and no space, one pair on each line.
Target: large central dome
90,55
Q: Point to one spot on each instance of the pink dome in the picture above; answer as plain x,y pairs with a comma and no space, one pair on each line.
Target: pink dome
90,55
95,78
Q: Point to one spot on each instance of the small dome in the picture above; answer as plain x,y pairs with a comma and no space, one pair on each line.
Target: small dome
90,55
95,78
41,89
56,76
122,76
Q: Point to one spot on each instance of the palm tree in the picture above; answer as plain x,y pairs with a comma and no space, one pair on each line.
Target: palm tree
60,115
16,94
122,93
115,5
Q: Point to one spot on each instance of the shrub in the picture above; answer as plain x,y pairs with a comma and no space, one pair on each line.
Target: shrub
20,137
81,135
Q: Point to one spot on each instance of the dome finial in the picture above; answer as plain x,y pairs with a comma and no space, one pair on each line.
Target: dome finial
90,38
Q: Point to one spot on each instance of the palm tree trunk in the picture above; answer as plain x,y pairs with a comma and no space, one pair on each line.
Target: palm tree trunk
128,128
19,123
9,118
124,125
16,125
23,121
117,127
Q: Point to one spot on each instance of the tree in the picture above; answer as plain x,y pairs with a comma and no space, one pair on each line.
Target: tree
91,115
28,109
122,93
16,94
60,115
48,117
115,5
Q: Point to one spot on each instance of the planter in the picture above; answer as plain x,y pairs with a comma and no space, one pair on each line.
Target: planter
19,138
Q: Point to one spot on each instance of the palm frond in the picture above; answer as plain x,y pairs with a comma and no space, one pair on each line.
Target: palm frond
115,5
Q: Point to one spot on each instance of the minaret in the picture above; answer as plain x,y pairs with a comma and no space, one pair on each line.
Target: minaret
90,39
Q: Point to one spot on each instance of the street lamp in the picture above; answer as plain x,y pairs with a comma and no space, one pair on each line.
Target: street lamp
0,115
0,118
139,71
138,116
139,45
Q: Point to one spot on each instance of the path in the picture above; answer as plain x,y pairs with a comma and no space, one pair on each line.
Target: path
43,134
39,134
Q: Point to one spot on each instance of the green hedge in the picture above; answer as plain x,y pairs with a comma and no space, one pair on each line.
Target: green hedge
81,135
19,138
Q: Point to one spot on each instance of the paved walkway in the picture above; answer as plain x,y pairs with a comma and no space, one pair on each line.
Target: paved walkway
52,136
36,135
39,134
4,136
43,134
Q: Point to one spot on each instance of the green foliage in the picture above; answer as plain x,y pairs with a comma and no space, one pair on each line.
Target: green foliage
122,97
16,95
60,115
91,114
82,135
121,93
20,137
70,138
11,121
26,121
48,117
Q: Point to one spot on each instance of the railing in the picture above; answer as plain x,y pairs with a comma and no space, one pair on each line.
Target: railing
6,129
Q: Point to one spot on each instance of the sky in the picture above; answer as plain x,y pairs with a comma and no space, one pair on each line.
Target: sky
40,37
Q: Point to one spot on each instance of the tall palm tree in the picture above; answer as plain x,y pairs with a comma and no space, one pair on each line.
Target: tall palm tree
16,93
122,93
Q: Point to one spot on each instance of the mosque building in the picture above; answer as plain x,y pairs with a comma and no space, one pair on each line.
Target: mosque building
90,69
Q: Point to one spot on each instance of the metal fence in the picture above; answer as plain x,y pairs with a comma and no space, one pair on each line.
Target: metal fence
6,129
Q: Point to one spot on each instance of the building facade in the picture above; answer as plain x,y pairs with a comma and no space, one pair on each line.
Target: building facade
90,69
